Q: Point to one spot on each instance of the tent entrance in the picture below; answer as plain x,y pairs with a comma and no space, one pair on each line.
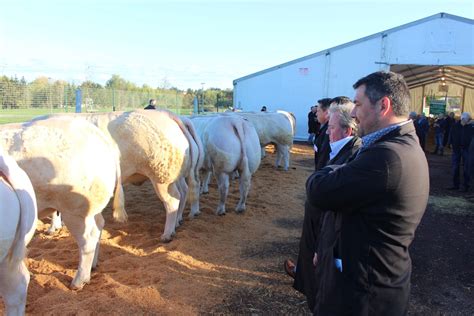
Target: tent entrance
433,87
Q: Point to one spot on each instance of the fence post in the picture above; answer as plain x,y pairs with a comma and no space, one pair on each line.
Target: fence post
65,97
78,100
195,103
113,100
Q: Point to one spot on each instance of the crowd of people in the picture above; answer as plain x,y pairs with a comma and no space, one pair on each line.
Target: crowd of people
456,134
367,196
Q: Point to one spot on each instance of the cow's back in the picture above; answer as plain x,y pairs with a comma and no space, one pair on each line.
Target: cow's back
151,144
271,127
71,163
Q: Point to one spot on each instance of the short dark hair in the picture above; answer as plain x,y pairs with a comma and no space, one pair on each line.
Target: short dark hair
340,100
325,103
387,84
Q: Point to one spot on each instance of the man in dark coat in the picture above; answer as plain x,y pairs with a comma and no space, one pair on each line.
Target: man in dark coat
449,124
151,105
381,194
313,124
342,146
328,272
422,128
460,139
321,143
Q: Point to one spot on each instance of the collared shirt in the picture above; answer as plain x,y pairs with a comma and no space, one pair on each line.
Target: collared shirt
371,138
337,146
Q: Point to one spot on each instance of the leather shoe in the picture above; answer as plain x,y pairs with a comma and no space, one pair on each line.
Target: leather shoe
290,267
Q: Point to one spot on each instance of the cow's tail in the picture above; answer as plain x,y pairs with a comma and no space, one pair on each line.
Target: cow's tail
239,130
196,152
21,183
119,213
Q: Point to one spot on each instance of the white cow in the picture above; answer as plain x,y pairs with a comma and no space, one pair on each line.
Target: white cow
230,144
155,145
18,214
273,128
74,168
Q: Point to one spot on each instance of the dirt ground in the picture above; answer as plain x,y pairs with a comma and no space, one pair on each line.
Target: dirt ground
232,264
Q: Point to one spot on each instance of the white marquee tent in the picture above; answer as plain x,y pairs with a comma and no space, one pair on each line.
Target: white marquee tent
435,54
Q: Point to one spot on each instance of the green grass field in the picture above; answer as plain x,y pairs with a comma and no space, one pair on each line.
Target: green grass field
24,115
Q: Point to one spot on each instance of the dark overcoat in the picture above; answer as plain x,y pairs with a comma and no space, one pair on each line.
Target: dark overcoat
321,157
305,278
382,196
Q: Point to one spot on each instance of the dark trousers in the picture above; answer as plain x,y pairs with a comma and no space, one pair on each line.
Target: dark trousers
439,137
446,138
305,277
460,156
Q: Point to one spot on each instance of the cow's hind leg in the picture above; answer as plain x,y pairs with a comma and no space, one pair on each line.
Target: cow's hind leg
183,192
100,222
205,183
87,235
14,277
169,194
56,223
244,186
223,184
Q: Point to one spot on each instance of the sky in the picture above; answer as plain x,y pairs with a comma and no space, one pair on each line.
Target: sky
187,43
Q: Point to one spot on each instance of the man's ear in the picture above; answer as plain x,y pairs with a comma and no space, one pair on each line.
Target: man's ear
348,132
385,106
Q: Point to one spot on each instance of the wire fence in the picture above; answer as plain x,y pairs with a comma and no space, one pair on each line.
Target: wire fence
93,99
21,101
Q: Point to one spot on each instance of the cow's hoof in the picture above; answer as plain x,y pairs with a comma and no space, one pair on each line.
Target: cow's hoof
166,239
78,285
240,210
193,215
51,231
220,212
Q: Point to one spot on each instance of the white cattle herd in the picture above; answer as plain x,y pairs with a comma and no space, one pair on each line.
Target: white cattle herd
75,163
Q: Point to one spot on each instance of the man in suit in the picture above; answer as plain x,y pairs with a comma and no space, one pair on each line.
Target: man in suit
321,143
340,128
381,194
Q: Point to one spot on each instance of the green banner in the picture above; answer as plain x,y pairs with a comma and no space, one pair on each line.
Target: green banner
437,107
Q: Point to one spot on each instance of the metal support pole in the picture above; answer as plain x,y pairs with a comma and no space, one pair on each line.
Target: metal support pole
78,101
195,103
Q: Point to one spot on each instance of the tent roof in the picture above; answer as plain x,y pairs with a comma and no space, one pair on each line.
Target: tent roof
417,76
326,51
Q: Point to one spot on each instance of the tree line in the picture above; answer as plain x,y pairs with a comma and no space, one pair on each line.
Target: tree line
117,93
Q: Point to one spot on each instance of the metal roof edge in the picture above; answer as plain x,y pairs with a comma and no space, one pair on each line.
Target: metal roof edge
328,50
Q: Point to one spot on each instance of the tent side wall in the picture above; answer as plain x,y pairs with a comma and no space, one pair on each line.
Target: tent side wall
298,86
469,101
